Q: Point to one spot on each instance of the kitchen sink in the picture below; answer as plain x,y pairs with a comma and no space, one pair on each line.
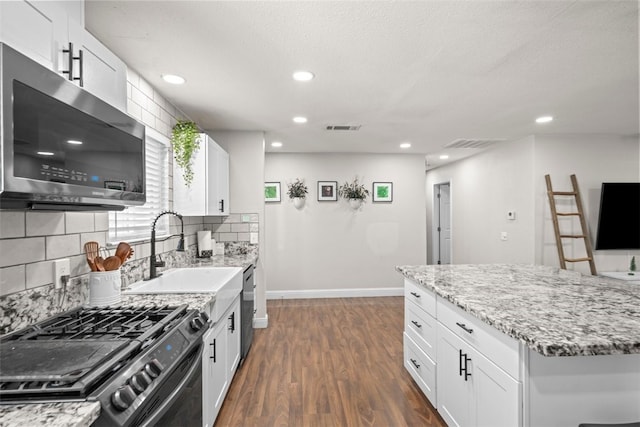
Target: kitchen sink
225,283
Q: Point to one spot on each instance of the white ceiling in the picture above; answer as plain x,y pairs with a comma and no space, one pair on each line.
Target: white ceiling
428,72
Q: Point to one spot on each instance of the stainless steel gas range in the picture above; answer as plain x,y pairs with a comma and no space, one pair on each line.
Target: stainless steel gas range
136,361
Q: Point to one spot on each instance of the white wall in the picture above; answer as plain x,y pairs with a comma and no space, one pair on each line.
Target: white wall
594,160
483,189
246,193
511,176
326,248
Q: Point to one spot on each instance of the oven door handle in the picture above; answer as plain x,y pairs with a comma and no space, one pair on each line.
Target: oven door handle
170,400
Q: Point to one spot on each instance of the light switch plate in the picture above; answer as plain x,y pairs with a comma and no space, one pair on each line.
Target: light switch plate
511,215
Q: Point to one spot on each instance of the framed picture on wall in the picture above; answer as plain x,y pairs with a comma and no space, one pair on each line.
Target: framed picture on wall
327,191
382,192
271,191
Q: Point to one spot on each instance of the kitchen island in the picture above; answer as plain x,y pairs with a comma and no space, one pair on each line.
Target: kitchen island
83,414
560,347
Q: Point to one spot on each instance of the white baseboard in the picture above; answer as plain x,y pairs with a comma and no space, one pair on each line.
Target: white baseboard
261,323
336,293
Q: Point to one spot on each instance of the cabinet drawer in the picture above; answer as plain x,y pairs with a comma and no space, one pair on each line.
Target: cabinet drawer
421,327
421,368
419,295
495,345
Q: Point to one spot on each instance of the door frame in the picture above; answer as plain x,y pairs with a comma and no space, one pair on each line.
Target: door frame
436,221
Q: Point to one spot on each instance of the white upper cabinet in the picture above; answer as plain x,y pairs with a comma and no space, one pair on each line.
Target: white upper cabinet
43,30
208,193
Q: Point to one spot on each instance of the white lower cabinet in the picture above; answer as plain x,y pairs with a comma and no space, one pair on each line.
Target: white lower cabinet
220,361
468,371
472,390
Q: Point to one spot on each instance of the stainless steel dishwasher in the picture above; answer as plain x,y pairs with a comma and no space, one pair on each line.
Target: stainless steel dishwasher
248,289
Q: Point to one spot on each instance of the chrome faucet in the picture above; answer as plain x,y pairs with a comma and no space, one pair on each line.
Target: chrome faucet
154,263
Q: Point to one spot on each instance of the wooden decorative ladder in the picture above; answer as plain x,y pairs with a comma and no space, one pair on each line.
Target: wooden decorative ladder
583,224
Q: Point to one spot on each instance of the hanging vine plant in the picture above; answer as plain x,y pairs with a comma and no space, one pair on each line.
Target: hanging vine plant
184,141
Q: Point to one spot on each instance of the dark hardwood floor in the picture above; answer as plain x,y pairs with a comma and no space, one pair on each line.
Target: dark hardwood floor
328,362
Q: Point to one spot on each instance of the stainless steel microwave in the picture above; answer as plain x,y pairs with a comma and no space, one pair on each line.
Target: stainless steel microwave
62,147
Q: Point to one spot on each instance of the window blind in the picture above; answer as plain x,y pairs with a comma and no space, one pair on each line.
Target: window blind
134,223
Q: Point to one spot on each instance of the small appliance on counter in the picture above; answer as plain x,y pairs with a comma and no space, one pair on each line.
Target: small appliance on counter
206,246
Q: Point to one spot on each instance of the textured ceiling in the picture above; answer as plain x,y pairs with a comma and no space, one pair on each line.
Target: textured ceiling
428,72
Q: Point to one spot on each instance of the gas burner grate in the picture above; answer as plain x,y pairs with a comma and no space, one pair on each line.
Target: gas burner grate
100,324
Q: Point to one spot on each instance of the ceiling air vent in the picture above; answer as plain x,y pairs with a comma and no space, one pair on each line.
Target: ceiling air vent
473,143
343,127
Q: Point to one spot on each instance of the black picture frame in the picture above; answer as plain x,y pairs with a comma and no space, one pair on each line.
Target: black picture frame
327,191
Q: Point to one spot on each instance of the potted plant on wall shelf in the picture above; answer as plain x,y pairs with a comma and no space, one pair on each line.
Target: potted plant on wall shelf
298,192
355,192
184,142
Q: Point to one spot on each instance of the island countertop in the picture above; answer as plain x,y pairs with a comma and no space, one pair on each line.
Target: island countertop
554,312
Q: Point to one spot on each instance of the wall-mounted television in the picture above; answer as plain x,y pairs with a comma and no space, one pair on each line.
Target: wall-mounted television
619,219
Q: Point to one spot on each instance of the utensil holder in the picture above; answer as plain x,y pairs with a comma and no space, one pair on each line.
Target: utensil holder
105,288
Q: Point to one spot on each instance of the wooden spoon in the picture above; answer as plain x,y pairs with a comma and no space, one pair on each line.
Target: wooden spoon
91,250
123,250
99,263
112,263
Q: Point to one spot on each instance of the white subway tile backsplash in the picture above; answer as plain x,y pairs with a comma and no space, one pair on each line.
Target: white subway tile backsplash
145,88
148,118
101,221
233,218
222,228
63,246
253,238
227,237
78,265
213,219
244,237
240,228
22,251
154,108
254,227
12,224
134,109
98,236
138,97
79,222
12,279
39,274
44,223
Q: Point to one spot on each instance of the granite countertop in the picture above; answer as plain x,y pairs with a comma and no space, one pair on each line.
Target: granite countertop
82,414
554,312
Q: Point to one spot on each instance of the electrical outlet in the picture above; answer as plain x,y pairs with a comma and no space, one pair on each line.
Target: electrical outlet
503,235
61,272
246,218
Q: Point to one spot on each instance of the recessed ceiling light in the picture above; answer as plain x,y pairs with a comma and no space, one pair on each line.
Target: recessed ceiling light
300,119
74,142
173,79
544,119
276,144
405,145
444,157
45,153
303,76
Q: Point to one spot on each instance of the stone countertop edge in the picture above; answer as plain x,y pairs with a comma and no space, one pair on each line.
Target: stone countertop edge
552,311
59,414
83,414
